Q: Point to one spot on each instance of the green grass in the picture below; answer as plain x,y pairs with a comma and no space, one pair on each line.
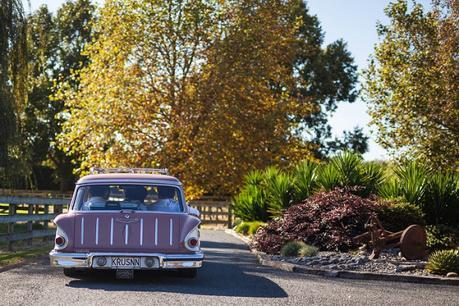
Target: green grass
10,258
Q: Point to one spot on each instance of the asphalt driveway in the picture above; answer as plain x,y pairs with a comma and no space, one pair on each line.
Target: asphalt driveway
230,276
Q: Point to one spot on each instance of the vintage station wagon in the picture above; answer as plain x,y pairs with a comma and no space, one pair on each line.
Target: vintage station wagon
126,222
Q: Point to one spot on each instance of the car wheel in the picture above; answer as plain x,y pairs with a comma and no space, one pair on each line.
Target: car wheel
189,273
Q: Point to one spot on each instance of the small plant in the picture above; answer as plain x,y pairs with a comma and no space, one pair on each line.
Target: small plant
292,248
248,228
254,226
242,228
308,251
396,215
444,261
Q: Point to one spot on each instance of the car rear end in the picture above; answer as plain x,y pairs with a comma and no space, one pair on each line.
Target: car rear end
128,234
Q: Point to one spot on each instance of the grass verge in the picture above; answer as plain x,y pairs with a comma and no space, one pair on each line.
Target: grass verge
11,258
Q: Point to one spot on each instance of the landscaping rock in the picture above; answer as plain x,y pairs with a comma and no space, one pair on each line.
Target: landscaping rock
451,274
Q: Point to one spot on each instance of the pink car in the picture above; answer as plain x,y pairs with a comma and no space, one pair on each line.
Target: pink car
127,222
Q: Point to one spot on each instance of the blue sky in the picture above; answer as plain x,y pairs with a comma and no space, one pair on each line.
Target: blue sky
355,22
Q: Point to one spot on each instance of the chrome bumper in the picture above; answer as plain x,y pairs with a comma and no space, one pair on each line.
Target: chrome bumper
85,260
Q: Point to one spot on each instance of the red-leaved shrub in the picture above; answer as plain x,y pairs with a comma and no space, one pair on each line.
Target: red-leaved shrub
327,220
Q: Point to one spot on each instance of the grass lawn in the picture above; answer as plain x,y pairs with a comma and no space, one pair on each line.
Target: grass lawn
9,258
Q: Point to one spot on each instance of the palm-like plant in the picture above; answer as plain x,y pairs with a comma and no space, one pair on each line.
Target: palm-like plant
412,181
279,193
304,180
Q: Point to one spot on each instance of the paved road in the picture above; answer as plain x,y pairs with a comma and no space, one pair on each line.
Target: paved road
230,276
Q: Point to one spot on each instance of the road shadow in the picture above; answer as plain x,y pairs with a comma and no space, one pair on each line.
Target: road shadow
229,270
215,278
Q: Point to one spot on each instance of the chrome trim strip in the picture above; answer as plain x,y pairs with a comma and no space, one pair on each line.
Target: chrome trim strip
141,231
156,231
111,232
170,231
97,231
82,231
126,233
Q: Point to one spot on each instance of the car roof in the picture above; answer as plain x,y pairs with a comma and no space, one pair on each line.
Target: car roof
128,178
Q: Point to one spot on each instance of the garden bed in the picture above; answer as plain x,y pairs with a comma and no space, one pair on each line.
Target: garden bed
389,267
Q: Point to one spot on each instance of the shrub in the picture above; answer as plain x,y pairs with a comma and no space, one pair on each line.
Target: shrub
304,180
308,251
279,190
441,237
292,248
250,204
444,261
348,170
327,219
254,226
441,203
242,228
412,182
248,228
396,216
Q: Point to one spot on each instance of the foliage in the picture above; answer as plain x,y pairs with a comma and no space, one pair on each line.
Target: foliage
441,203
436,193
353,141
250,204
348,169
298,248
169,90
411,83
248,228
13,91
396,216
308,251
326,76
444,261
326,219
304,177
441,237
55,46
242,228
279,190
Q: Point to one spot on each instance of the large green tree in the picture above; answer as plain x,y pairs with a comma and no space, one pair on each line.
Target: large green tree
325,76
56,44
13,86
412,82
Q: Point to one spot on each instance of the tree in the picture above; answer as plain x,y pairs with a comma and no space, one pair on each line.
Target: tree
203,88
325,76
13,86
56,43
355,141
412,86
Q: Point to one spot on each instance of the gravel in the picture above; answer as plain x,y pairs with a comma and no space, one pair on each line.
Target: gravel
390,261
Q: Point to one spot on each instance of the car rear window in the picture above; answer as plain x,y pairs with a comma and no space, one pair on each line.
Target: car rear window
135,197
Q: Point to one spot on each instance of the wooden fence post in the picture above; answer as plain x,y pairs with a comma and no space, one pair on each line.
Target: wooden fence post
11,212
30,224
230,217
45,223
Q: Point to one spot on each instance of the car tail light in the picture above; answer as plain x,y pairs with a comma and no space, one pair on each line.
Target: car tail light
192,240
61,240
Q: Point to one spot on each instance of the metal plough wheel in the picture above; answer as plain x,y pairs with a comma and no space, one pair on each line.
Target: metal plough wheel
413,242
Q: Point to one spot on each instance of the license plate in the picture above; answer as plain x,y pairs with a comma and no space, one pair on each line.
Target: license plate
126,262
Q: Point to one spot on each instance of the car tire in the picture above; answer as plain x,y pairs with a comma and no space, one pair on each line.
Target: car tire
189,273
